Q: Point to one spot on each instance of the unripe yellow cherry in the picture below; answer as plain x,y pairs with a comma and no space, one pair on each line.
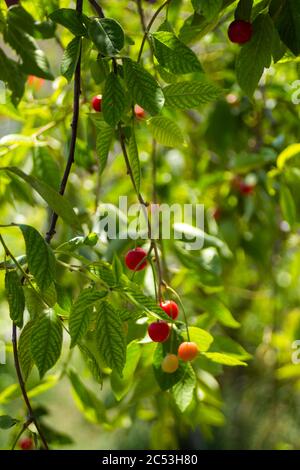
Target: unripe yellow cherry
170,363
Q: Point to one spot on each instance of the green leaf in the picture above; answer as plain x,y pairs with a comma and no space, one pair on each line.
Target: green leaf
45,167
218,310
255,55
209,8
166,131
120,386
243,10
183,390
70,58
107,35
70,19
110,337
286,16
58,203
223,358
201,337
287,205
81,313
289,152
24,350
173,55
34,61
226,345
91,363
7,422
12,75
189,95
40,257
15,297
164,380
103,270
133,154
87,402
46,341
113,100
144,89
134,293
117,268
105,135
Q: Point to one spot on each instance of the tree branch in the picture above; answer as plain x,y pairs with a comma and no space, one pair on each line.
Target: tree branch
74,126
97,8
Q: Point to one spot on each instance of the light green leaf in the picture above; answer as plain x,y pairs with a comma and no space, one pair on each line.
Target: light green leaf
70,19
287,205
121,386
58,203
201,337
40,257
144,89
113,100
173,55
289,152
223,358
81,313
46,341
117,268
189,95
218,310
183,390
105,135
166,131
91,363
255,55
134,161
15,297
110,337
107,35
24,350
70,58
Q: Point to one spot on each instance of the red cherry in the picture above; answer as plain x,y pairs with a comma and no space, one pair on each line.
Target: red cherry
159,331
26,443
187,351
171,308
35,82
240,31
246,188
139,112
96,103
136,259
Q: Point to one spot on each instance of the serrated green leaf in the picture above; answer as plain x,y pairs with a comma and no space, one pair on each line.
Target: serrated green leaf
183,390
189,95
107,35
15,297
70,58
40,257
113,100
91,363
166,131
81,313
46,341
121,386
103,271
24,350
134,293
202,338
133,154
105,135
209,8
174,55
255,55
218,310
144,89
58,203
70,19
110,337
7,422
34,303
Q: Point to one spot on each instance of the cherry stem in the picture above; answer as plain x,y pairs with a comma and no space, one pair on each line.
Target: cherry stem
183,309
23,429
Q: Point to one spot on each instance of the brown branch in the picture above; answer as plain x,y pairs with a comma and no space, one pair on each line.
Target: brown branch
97,8
74,126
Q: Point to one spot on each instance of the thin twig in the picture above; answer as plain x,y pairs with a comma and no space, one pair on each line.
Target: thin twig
23,429
97,8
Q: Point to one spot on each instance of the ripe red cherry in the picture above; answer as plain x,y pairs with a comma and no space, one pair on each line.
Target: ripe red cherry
216,213
170,363
139,112
240,31
159,331
136,259
96,103
171,308
246,188
26,443
187,351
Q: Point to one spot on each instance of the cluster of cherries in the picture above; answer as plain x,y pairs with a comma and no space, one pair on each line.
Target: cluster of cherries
159,331
97,106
